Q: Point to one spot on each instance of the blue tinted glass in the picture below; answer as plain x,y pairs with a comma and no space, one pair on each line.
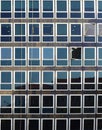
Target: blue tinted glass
75,5
89,5
48,53
48,77
75,29
5,53
61,29
62,75
19,5
19,53
34,53
100,74
47,6
19,101
61,6
5,5
100,53
33,77
5,29
6,77
99,5
89,74
89,53
48,29
34,29
19,77
33,5
19,29
5,101
75,74
62,53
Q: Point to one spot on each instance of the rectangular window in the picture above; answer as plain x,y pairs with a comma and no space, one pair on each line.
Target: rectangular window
20,56
75,106
20,80
19,104
99,80
89,80
47,104
6,80
99,123
89,104
47,124
89,32
61,8
33,124
99,8
75,32
19,124
62,56
76,80
34,8
88,124
20,35
75,124
89,56
99,54
99,103
48,56
6,124
34,33
20,8
61,124
48,80
62,80
99,32
61,104
34,80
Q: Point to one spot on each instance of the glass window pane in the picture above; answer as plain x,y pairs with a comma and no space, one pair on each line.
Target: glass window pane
47,77
61,29
47,6
61,6
61,53
48,53
33,5
89,53
6,77
34,29
19,101
34,77
19,5
48,29
19,77
5,53
89,5
75,29
34,53
5,124
5,5
61,77
5,29
19,53
5,101
20,124
19,29
75,5
99,5
89,29
75,77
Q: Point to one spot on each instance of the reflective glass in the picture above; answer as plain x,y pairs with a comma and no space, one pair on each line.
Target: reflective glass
6,77
34,53
19,77
89,53
34,77
75,5
61,29
5,29
61,6
48,29
5,53
33,5
48,53
5,101
5,5
19,5
61,53
47,6
75,29
48,77
19,53
34,29
89,5
19,101
19,29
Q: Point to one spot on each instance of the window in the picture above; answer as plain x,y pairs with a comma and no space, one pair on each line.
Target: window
61,80
75,33
89,9
61,124
48,80
48,8
5,32
62,56
47,124
89,80
33,124
20,33
89,124
89,56
76,80
76,56
34,80
99,80
34,56
34,33
61,9
99,9
20,8
89,104
34,104
48,56
99,123
75,9
6,80
62,33
48,32
89,32
61,104
99,56
6,9
5,104
20,80
99,32
75,106
99,103
6,56
47,104
6,124
75,124
34,8
19,124
20,56
19,104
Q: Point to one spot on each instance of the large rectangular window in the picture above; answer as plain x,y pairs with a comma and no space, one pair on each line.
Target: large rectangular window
19,124
47,124
33,123
61,124
88,124
75,124
99,80
99,8
6,124
99,103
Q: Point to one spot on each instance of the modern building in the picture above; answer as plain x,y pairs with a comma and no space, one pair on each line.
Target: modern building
51,65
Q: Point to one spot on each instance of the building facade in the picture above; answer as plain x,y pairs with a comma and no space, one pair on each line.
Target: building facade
51,64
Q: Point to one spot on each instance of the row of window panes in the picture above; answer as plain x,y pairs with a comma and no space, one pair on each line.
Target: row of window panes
51,9
51,104
50,32
51,56
50,80
51,124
